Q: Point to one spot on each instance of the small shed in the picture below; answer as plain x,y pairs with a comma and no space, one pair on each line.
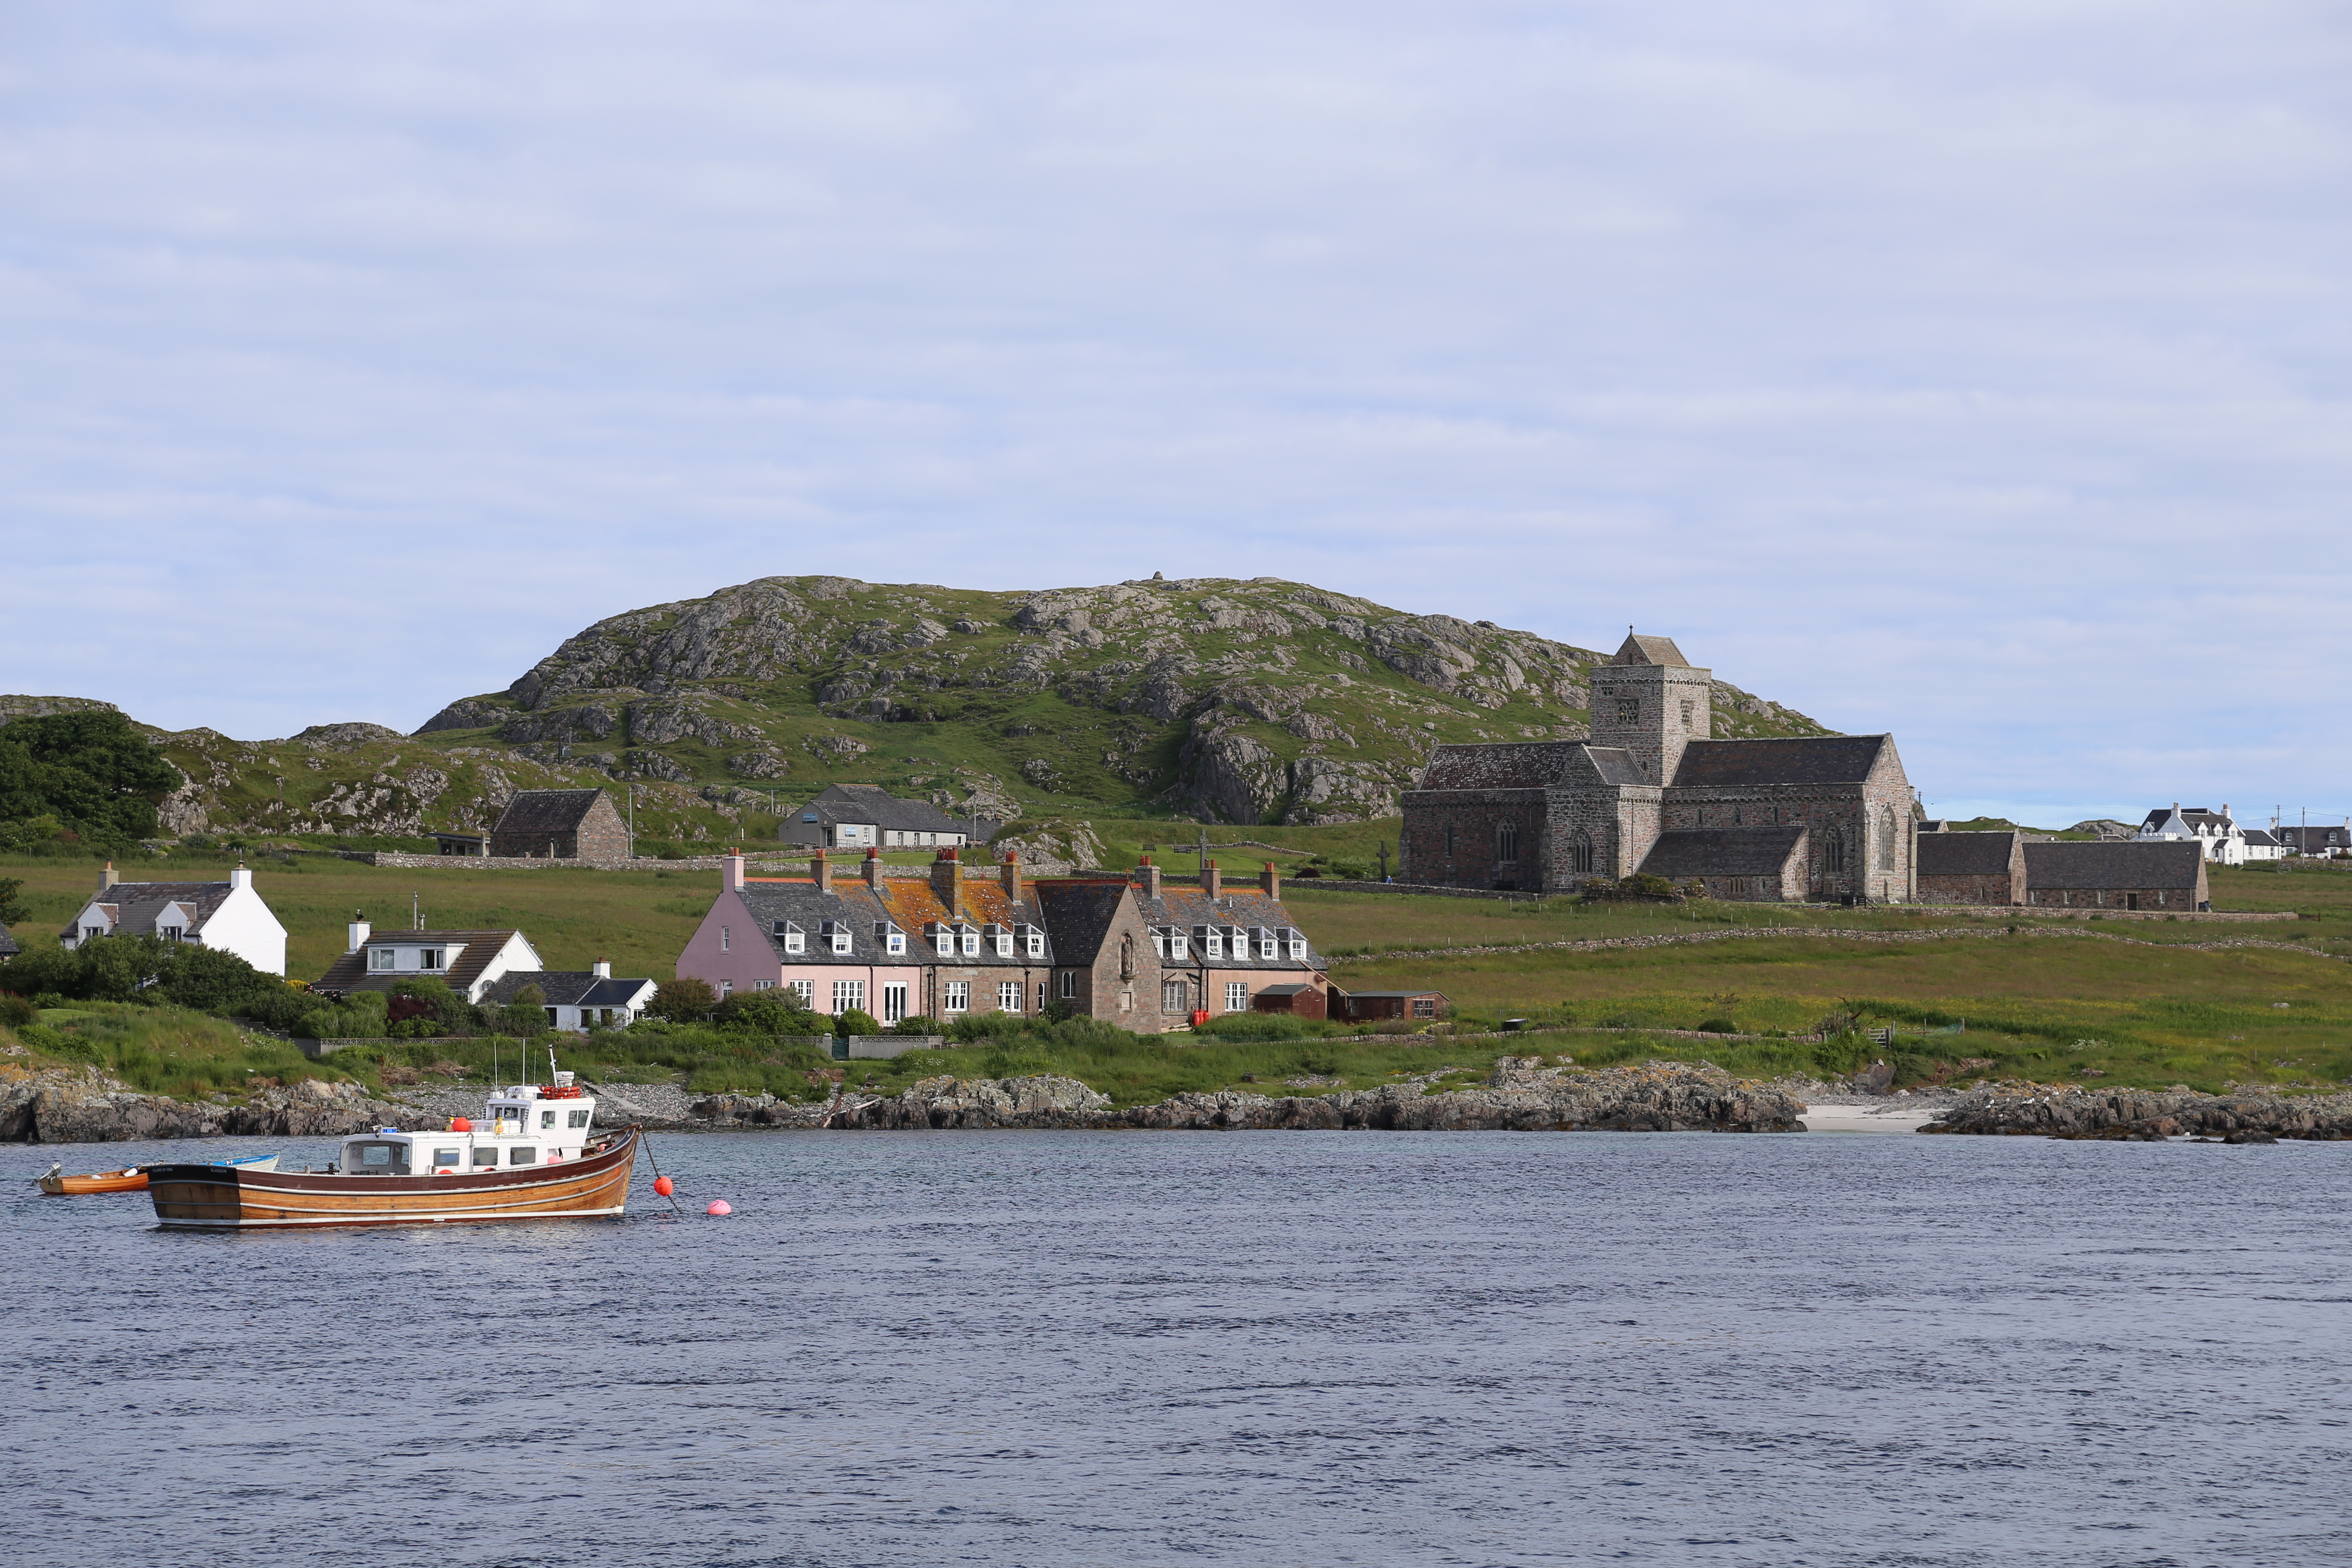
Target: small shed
1297,1001
1374,1006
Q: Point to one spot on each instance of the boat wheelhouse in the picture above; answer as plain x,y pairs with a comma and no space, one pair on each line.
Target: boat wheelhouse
521,1127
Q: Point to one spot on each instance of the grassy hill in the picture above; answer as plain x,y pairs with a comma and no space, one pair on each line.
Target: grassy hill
1262,702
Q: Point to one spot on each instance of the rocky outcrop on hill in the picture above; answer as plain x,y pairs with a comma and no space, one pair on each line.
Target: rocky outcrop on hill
2071,1111
69,1105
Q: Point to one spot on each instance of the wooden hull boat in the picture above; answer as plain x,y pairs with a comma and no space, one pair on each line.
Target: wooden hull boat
134,1179
214,1198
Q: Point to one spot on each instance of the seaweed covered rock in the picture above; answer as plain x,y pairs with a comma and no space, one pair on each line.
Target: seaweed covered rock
2072,1110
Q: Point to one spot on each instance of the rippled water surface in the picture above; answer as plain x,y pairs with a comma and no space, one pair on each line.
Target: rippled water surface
1260,1348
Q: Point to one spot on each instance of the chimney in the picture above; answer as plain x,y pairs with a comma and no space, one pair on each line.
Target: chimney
240,877
874,869
1009,869
821,871
732,866
604,968
107,877
1212,881
356,933
947,875
1149,875
1269,881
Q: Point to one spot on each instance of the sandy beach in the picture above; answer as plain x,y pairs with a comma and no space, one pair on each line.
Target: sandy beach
1879,1118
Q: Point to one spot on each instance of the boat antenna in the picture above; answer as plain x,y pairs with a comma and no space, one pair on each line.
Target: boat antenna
551,1064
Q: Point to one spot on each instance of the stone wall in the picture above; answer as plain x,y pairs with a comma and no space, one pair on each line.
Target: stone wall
1449,837
1990,888
2170,900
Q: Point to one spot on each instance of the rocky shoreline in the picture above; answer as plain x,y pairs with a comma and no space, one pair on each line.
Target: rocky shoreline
83,1105
2072,1110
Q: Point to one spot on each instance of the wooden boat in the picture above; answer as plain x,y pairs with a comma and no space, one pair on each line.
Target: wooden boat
134,1179
540,1157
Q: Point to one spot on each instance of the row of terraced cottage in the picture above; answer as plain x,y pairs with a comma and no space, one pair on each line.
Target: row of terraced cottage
1133,949
1825,818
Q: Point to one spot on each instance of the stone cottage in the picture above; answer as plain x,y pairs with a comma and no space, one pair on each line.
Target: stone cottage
561,825
1815,819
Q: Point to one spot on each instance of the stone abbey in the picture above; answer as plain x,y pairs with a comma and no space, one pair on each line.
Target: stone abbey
1813,819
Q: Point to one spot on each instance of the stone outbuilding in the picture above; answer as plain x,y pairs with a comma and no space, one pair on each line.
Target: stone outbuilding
1971,868
561,825
1551,814
2132,874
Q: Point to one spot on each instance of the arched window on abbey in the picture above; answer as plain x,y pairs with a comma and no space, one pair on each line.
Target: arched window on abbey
1449,841
1580,854
1886,840
1832,850
1507,843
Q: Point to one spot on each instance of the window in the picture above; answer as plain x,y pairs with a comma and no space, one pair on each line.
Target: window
1171,996
725,986
547,1118
892,938
894,1002
795,939
838,931
1424,1007
1886,841
1580,852
93,934
378,957
1297,942
943,940
486,1156
970,942
522,1155
1070,985
1158,942
1832,850
1686,715
1176,945
1629,709
444,1156
428,958
1212,943
1033,941
764,984
1236,996
1008,996
577,1119
1507,843
169,933
958,997
1266,943
803,989
376,1158
726,939
552,1016
848,994
1002,936
1041,995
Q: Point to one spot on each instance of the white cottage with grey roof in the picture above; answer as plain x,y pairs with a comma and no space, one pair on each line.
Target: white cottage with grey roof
228,916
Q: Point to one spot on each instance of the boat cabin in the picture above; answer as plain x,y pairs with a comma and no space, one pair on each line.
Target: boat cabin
526,1125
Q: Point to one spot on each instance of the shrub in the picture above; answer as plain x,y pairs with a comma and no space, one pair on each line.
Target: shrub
1259,1027
855,1021
766,1013
916,1023
1718,1026
17,1011
685,1000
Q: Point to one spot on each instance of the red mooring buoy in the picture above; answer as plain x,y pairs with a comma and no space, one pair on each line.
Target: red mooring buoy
664,1185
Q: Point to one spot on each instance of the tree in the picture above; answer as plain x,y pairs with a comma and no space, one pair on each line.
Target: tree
526,1014
432,1008
683,1001
93,771
768,1013
12,908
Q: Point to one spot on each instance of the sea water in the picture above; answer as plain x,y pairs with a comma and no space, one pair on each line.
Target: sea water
1216,1348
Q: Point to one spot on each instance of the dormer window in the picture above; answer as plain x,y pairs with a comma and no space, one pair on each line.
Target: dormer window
1032,942
892,938
1212,940
169,934
1269,946
793,938
1160,941
943,940
1001,938
382,958
837,935
1296,941
1177,944
428,958
971,935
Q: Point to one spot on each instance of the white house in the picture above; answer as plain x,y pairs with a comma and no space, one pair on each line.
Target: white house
228,917
2222,841
577,999
468,962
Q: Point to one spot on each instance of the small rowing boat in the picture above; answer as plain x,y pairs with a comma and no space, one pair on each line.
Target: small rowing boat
538,1155
131,1179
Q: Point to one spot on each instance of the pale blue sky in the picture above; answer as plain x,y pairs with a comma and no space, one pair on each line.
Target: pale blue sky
1971,370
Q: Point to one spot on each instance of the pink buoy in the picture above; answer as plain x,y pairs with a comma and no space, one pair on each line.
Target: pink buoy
719,1205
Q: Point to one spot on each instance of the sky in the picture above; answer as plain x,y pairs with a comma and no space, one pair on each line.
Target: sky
1974,371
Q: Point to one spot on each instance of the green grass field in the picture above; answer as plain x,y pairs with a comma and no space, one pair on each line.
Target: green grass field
2146,1011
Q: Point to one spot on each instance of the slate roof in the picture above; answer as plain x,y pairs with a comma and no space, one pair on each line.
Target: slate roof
2087,867
1649,650
1799,760
136,905
547,810
1190,907
566,988
2259,838
1722,851
914,907
1965,854
8,948
1616,765
2315,838
872,803
1079,916
1507,764
475,949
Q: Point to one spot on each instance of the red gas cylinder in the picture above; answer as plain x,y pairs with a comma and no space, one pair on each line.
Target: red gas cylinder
1199,1016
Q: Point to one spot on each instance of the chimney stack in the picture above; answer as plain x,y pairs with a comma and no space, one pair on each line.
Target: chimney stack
731,869
1212,881
604,968
357,932
946,877
1269,881
1009,869
1149,875
874,869
240,877
821,871
107,877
